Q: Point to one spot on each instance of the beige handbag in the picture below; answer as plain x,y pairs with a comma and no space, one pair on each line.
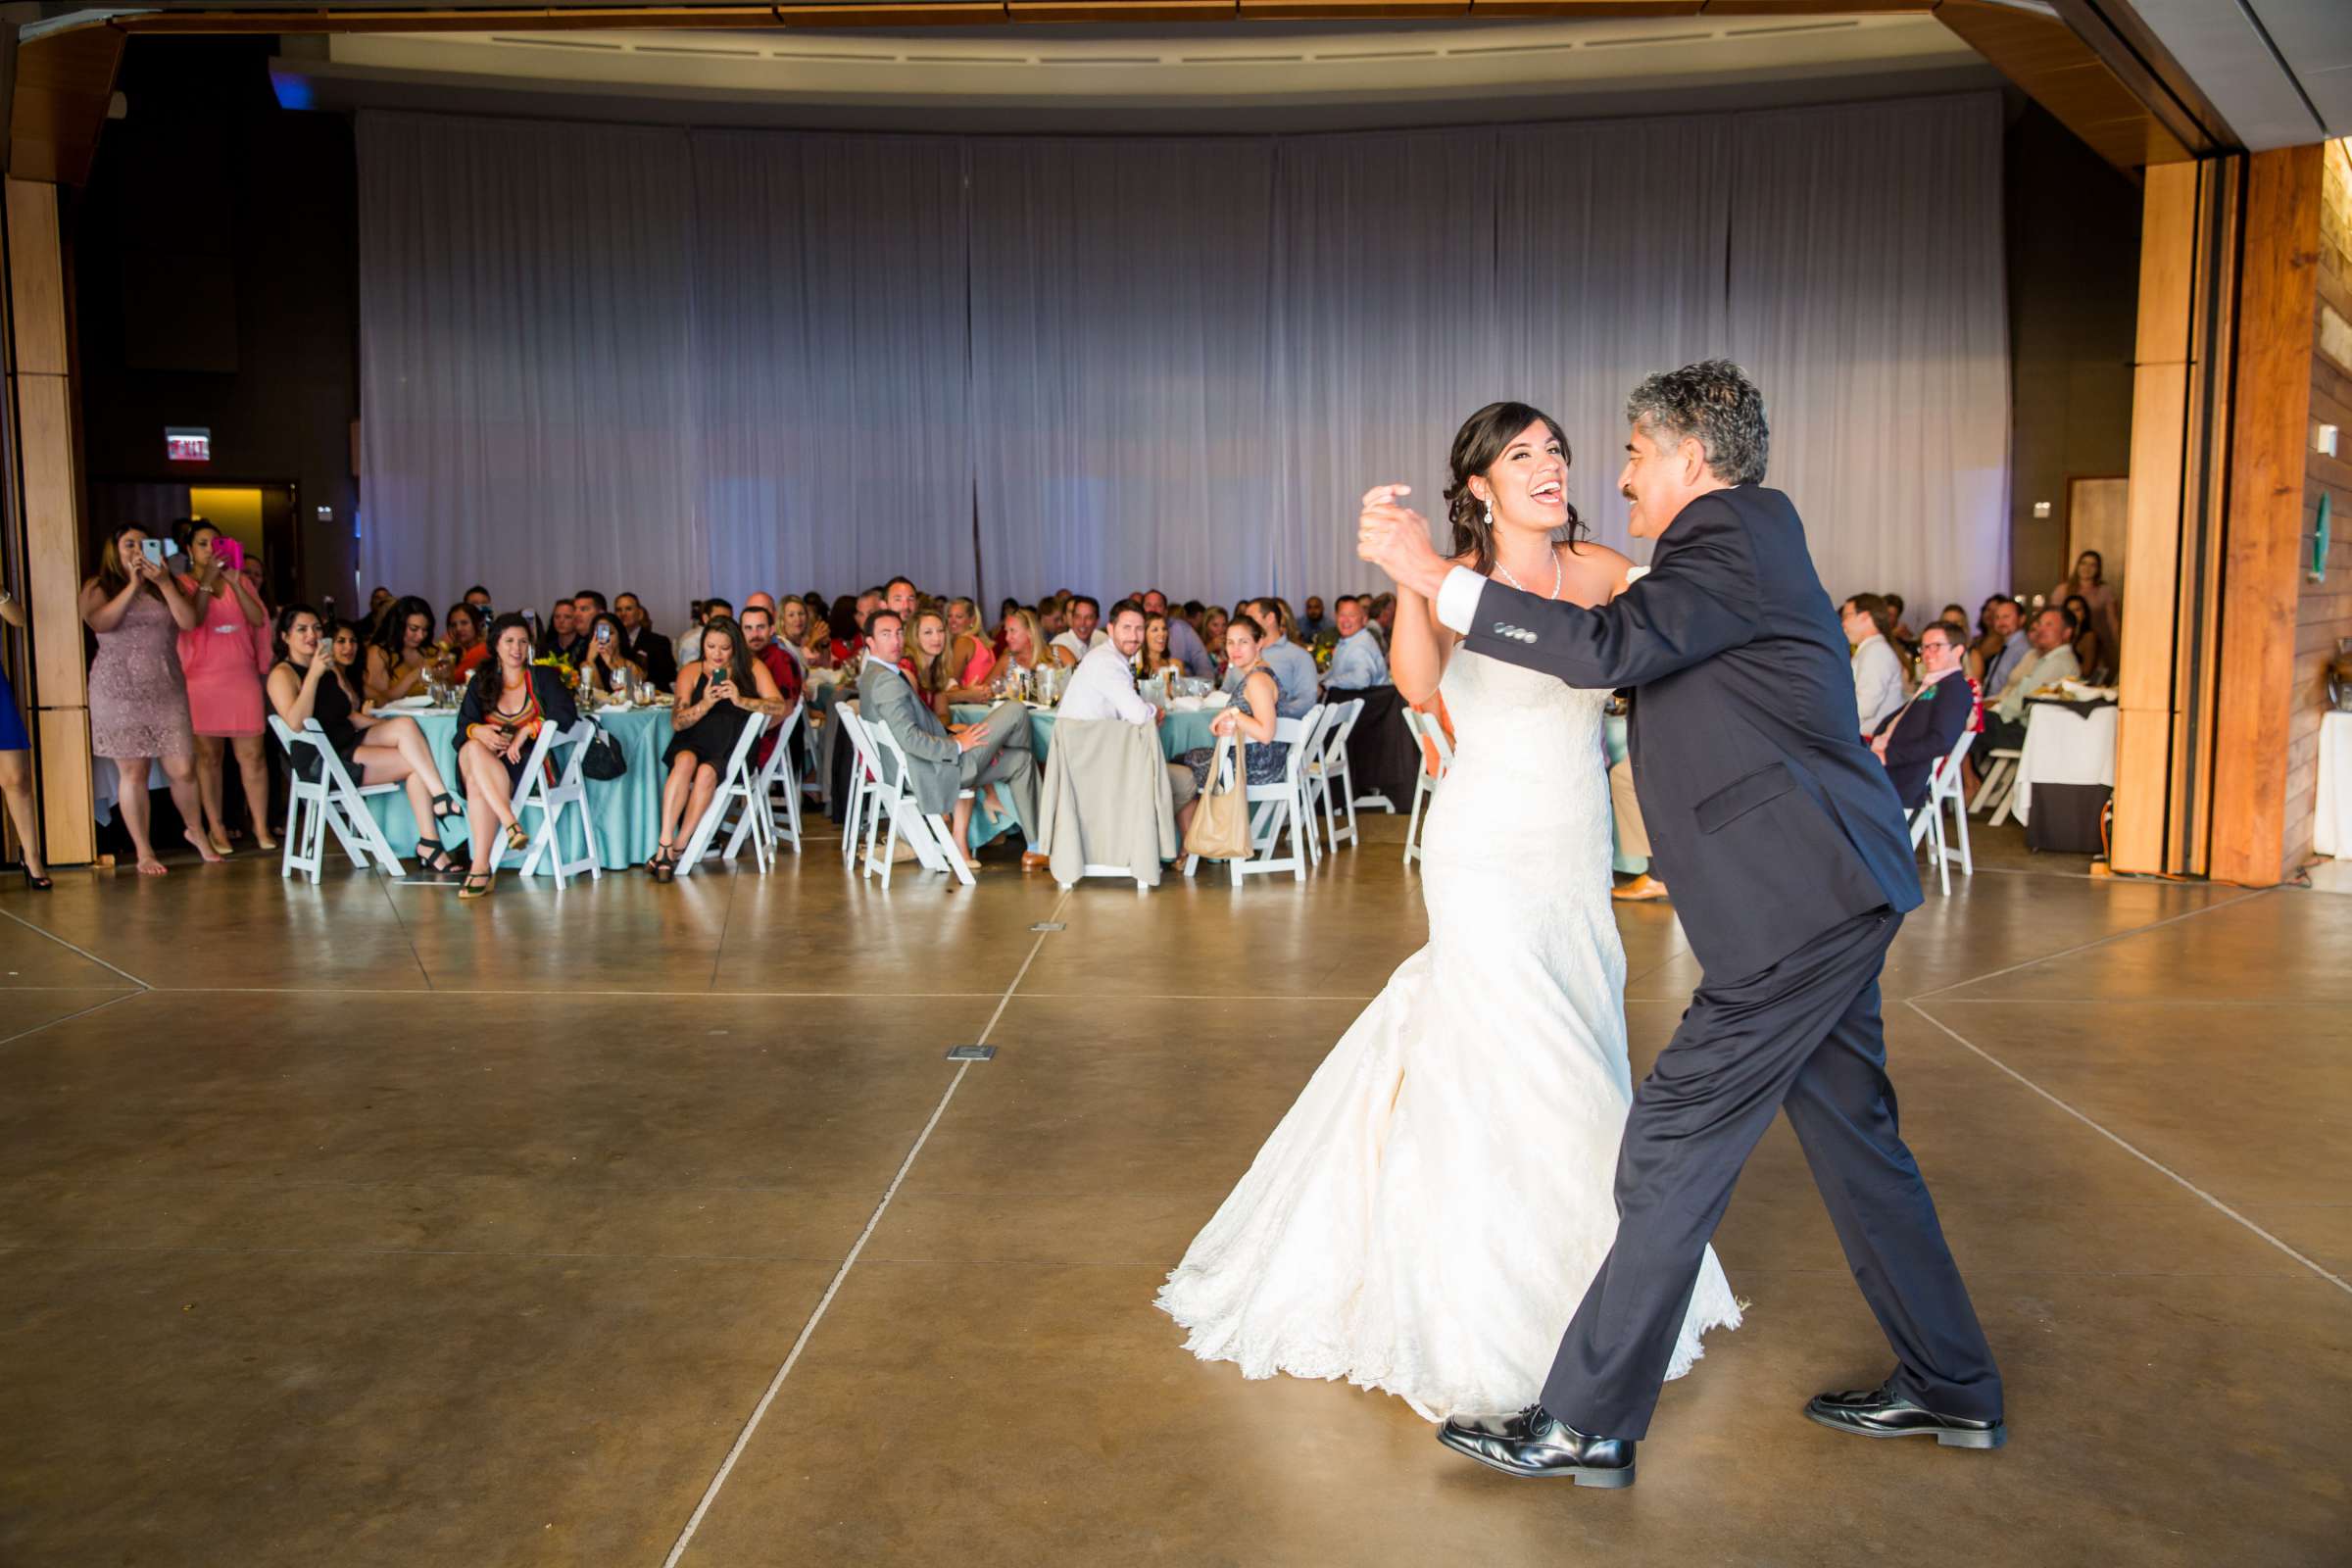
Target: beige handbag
1220,829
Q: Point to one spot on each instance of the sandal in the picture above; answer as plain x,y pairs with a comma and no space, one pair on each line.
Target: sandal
517,838
433,855
38,884
446,805
468,888
664,864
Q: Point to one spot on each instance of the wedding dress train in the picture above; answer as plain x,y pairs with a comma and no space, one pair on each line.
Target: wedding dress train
1427,1215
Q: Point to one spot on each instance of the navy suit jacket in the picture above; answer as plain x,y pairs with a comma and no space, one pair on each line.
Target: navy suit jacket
1924,732
1767,816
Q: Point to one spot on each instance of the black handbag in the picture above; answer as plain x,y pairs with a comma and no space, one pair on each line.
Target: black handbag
604,761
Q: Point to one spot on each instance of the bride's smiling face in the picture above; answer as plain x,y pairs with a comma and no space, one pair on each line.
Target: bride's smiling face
1528,485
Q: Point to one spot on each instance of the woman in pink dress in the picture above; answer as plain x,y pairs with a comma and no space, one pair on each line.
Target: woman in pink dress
225,688
138,699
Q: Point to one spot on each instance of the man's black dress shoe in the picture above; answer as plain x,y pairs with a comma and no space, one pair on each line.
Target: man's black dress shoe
1880,1413
1536,1443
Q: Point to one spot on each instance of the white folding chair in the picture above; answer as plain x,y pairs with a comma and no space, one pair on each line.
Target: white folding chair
2001,779
861,777
734,790
1311,724
328,804
1275,806
1943,786
779,819
1327,776
570,789
1424,727
932,839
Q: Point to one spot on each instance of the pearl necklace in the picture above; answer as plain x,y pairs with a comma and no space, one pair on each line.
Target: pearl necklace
1556,576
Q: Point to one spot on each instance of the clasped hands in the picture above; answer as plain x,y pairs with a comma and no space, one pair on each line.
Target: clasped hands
1395,538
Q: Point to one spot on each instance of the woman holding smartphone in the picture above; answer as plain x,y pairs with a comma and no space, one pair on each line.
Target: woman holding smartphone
508,701
400,652
709,720
604,660
225,688
138,698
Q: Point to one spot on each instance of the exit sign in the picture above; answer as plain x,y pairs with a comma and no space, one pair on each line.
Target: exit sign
189,444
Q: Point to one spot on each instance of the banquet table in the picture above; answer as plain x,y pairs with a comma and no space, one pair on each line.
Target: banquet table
2066,776
2332,825
627,809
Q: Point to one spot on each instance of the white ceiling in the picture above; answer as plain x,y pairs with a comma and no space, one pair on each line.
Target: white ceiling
1238,77
2278,71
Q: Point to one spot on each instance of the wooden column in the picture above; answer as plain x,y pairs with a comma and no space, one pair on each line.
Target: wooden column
2261,583
40,389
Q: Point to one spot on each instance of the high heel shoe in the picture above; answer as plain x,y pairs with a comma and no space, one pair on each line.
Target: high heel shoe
446,805
433,855
517,838
38,884
475,886
664,864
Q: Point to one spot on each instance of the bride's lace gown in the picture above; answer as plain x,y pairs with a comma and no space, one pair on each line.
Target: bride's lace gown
1428,1214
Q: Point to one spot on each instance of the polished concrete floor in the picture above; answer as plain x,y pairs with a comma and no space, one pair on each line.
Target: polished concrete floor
352,1225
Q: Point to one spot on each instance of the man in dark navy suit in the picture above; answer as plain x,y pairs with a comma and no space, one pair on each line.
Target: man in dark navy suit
1791,870
1919,735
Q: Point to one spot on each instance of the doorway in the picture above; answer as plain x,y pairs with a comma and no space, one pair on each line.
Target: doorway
258,516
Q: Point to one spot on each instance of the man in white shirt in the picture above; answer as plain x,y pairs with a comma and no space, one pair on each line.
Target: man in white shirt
1357,662
1295,678
2050,657
1878,668
1104,687
1084,633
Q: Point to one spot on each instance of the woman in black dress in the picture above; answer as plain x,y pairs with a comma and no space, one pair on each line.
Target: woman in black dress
507,704
306,682
716,695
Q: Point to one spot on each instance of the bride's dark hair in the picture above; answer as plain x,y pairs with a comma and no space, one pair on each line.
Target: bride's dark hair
1477,447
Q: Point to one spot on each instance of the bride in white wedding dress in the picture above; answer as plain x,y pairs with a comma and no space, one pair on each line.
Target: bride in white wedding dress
1427,1215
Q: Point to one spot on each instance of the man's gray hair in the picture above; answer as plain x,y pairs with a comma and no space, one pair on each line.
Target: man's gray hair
1714,402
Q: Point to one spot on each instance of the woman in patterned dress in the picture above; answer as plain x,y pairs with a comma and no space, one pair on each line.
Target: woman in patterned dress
138,698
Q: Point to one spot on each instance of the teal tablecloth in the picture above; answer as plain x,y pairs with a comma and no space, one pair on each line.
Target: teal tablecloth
627,809
1180,733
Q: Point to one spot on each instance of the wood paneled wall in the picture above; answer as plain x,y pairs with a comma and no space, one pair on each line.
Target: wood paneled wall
2269,435
2322,609
40,388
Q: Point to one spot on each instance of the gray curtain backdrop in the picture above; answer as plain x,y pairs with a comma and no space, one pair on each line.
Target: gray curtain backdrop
684,362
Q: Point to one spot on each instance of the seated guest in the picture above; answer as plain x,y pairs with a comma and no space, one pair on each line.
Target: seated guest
1293,668
2090,653
603,664
306,684
1024,646
586,606
1899,634
970,652
466,632
845,623
400,653
2052,643
1153,658
643,646
1313,625
1956,616
1920,734
564,638
1358,661
508,701
901,595
997,754
480,598
1184,639
379,600
1250,716
1869,621
1052,619
1103,684
1384,615
716,695
767,650
2002,645
689,646
1084,633
1214,621
792,634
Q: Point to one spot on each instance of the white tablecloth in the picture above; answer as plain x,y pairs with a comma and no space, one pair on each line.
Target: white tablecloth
2064,746
2331,828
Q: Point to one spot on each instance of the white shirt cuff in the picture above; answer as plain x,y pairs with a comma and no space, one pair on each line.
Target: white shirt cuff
1457,599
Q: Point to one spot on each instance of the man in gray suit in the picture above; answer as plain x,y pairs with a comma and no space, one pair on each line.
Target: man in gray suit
994,753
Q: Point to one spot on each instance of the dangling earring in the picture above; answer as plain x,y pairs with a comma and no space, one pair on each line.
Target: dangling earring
1489,515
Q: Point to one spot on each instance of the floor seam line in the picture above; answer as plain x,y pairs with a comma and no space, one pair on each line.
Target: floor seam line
2124,1144
384,886
2095,941
82,1012
72,947
775,1383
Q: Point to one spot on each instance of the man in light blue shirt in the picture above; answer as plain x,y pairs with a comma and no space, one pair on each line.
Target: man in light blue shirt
1295,677
2008,621
1357,663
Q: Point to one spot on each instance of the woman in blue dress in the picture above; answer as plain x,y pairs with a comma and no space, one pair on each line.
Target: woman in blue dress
16,764
1250,717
